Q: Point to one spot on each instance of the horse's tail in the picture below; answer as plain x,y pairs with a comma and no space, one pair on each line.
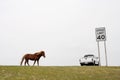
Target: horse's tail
22,60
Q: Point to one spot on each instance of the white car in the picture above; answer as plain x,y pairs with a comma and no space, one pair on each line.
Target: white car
89,59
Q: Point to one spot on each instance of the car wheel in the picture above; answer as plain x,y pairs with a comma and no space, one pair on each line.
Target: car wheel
82,65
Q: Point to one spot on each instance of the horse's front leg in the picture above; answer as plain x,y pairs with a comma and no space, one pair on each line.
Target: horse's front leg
38,62
27,62
34,62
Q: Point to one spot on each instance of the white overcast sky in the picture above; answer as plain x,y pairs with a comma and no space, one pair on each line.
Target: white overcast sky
64,29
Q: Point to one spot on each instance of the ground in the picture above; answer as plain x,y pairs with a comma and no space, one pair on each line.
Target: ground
59,73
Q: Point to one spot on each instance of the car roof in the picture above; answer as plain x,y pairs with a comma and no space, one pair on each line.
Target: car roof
88,55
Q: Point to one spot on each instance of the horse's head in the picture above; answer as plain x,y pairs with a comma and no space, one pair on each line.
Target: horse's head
43,54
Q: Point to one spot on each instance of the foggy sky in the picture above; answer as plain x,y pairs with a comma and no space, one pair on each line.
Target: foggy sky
64,29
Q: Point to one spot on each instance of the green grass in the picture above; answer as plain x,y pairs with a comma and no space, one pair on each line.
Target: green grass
59,73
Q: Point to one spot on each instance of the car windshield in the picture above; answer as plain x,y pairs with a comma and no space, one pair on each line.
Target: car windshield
89,56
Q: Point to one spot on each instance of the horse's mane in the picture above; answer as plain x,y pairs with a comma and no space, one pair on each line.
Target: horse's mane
39,52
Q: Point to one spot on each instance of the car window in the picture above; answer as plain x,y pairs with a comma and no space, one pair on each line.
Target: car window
89,56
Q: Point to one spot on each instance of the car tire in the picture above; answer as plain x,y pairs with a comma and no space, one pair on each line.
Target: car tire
81,64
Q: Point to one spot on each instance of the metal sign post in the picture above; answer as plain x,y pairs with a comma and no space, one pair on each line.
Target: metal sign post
99,53
105,53
101,36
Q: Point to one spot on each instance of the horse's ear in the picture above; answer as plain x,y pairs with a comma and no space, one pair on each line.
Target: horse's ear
42,52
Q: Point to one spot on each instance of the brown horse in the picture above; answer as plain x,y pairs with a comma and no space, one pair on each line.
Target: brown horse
35,57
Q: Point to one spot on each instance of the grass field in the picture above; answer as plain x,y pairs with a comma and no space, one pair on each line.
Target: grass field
59,73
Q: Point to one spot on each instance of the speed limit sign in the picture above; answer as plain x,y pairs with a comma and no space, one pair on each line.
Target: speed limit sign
100,34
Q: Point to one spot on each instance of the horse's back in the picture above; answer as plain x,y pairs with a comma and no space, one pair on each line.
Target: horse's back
30,56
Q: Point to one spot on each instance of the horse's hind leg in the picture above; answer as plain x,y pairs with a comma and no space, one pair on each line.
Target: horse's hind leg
38,62
34,62
26,61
